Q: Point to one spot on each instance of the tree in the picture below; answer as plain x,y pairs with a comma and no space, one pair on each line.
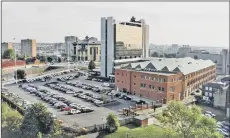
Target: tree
112,122
9,54
133,19
37,119
49,59
21,74
11,121
155,54
59,59
91,65
195,57
188,122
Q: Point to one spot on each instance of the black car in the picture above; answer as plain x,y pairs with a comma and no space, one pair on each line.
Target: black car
117,95
127,98
141,102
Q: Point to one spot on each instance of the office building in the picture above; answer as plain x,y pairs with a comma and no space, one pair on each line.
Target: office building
28,48
6,46
164,79
88,50
122,40
221,59
69,49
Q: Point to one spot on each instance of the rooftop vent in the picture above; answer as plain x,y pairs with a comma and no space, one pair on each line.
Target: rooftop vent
159,59
189,62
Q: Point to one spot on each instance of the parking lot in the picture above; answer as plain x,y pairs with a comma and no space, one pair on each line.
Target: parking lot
97,116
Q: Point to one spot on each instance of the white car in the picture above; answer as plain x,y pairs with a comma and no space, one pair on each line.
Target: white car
73,111
106,84
70,92
97,102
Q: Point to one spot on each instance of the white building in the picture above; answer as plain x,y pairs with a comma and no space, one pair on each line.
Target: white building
122,40
221,59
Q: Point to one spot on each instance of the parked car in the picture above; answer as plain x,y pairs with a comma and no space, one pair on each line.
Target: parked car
73,111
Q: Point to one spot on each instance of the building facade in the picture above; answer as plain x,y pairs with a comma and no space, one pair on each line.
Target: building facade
28,47
169,79
122,40
221,59
69,48
6,46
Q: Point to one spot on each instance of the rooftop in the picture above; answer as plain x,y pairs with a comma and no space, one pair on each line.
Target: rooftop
184,65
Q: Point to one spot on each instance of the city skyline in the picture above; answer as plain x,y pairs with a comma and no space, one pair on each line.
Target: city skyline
169,22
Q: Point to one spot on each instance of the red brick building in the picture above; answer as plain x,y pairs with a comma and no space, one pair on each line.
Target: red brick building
169,79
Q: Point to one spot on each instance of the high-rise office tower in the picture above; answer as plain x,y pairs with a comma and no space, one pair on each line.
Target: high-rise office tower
122,40
28,47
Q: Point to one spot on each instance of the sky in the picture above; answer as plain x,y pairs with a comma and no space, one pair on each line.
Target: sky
188,23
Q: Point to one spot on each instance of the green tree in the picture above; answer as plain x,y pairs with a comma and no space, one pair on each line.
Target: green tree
112,122
91,65
37,119
49,59
59,59
155,54
21,74
9,54
188,122
11,121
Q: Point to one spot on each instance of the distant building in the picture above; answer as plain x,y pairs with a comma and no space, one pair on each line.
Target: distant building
28,47
122,40
221,59
69,48
164,79
6,46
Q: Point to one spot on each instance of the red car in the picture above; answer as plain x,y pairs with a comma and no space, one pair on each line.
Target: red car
66,108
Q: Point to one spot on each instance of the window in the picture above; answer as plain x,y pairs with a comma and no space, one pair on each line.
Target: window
117,80
159,88
134,83
122,74
142,85
117,73
142,77
206,93
206,88
153,87
150,86
164,80
153,78
134,76
210,88
146,77
122,81
149,78
210,94
172,89
163,89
